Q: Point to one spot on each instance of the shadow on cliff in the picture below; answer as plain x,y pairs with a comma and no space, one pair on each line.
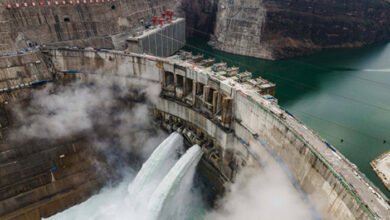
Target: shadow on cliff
200,16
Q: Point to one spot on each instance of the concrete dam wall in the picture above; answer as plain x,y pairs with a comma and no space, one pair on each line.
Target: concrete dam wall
236,127
164,41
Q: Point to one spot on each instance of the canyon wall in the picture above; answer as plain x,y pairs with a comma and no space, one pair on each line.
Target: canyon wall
275,29
271,29
200,16
72,22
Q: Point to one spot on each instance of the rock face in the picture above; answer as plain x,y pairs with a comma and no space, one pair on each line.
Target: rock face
77,22
275,29
200,16
270,29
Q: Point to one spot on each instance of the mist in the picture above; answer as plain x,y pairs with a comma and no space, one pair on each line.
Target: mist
126,202
107,110
113,113
261,194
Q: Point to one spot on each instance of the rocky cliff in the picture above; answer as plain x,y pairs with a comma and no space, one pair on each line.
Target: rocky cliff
275,29
72,22
200,16
270,29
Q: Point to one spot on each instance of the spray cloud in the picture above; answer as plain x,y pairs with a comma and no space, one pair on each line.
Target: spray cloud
266,194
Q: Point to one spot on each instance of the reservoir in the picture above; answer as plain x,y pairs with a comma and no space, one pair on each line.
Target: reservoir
344,94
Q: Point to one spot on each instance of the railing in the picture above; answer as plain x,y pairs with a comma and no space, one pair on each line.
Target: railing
311,148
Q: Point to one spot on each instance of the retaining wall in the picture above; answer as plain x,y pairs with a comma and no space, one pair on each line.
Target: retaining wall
160,41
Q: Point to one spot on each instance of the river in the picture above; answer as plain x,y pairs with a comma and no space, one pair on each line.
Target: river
344,94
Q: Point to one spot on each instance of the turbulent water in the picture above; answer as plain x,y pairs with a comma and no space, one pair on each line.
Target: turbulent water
164,189
344,94
168,200
154,169
162,179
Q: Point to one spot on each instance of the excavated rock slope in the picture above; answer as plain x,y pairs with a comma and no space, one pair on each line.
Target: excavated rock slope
270,29
275,29
77,22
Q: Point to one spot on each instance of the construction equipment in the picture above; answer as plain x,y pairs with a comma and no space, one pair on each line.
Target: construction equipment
170,14
155,18
161,20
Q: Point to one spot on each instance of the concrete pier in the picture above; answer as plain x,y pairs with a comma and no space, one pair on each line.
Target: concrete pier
159,41
381,166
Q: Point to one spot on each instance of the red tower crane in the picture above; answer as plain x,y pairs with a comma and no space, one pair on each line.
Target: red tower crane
170,14
154,20
161,20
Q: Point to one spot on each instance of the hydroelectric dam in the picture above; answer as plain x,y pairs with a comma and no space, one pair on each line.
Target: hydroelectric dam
57,150
225,113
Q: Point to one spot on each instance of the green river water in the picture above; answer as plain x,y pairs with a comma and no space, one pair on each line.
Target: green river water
344,94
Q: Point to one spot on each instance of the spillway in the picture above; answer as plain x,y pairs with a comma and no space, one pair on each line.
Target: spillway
157,166
160,179
171,183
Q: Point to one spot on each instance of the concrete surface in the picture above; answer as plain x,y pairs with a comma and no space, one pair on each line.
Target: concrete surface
160,41
381,166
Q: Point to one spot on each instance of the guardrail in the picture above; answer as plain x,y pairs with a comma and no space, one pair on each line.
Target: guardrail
311,148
